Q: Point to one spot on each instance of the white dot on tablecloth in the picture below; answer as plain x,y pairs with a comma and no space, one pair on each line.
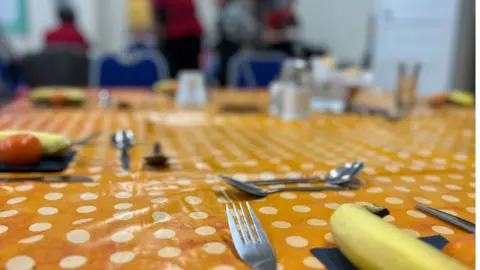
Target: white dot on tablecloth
408,179
393,200
288,195
329,238
316,222
58,185
39,227
91,184
471,184
296,241
164,234
267,210
332,205
223,267
364,203
20,263
453,187
432,178
416,214
3,229
156,193
86,209
32,239
392,169
471,195
218,188
313,262
72,262
307,166
159,200
8,213
450,198
169,252
82,221
301,209
193,200
428,188
121,237
95,169
16,200
53,196
375,190
205,230
88,196
214,248
198,215
383,179
281,224
412,232
442,230
184,182
318,195
47,211
471,209
161,217
389,218
349,194
24,187
126,215
78,236
451,212
123,206
123,195
122,257
401,188
456,176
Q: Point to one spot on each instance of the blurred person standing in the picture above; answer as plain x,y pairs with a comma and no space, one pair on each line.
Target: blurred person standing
236,26
66,34
179,33
281,28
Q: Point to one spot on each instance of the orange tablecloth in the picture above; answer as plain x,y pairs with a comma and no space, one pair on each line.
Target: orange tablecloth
175,219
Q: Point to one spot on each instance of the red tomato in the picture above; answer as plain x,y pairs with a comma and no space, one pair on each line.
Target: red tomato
20,150
462,249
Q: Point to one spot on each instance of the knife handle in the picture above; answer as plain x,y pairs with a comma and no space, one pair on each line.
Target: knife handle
125,158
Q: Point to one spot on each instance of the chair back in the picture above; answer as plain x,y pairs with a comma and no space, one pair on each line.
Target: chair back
254,69
141,69
57,67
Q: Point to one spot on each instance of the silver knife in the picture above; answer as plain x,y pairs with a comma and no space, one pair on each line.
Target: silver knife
459,222
48,179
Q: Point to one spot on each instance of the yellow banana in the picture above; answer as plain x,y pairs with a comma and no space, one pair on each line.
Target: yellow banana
52,144
372,243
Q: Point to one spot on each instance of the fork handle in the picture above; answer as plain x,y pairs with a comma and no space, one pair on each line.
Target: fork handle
323,188
286,181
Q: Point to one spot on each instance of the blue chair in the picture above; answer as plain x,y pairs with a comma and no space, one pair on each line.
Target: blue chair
135,70
254,69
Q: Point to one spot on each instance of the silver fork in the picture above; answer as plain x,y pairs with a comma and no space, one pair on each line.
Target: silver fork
250,240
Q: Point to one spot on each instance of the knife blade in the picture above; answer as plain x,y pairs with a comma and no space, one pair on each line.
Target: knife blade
48,179
459,222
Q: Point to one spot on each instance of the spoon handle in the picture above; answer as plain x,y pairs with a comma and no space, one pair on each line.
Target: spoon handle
286,181
125,157
323,188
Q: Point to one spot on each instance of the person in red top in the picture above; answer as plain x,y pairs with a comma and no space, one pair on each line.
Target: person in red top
281,28
67,33
180,33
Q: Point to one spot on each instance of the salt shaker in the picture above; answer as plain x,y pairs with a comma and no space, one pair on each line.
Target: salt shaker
296,99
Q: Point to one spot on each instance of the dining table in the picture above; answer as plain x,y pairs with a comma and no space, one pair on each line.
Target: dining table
174,218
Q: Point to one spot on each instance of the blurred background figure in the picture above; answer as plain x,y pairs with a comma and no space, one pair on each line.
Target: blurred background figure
281,28
66,34
236,27
179,33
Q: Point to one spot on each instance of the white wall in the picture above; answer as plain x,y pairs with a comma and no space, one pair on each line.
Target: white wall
329,22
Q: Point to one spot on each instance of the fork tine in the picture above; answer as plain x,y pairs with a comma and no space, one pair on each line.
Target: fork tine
248,225
237,239
258,228
240,224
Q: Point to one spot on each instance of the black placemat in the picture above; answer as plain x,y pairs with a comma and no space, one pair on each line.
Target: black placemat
333,259
47,164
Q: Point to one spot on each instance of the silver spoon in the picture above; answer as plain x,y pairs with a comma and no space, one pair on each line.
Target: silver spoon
123,140
256,191
338,176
